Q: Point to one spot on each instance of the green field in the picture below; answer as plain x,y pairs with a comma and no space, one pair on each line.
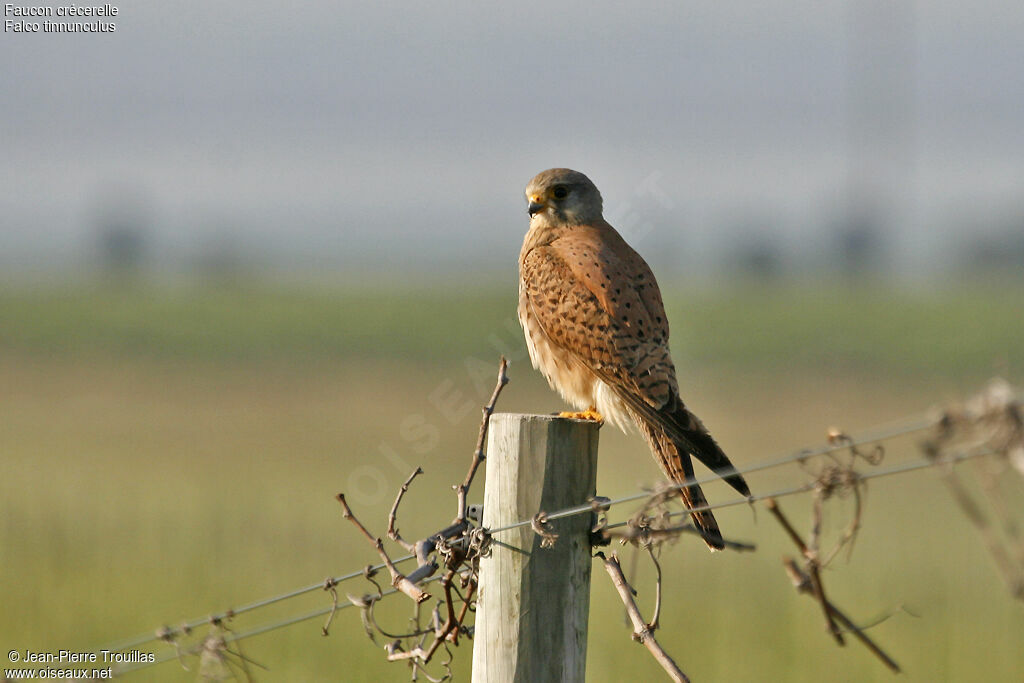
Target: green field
167,452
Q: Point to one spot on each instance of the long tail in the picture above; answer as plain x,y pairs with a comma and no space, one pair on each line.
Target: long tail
690,435
676,463
674,433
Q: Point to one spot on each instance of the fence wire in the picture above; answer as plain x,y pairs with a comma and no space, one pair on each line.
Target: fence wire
878,434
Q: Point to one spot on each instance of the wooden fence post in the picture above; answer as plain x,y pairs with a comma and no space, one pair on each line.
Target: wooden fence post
533,603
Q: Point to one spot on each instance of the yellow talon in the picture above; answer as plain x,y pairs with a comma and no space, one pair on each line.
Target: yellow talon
588,414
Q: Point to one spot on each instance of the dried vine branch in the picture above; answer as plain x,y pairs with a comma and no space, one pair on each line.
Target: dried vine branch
450,624
802,583
814,576
393,515
478,455
653,624
991,422
398,580
808,580
642,632
456,547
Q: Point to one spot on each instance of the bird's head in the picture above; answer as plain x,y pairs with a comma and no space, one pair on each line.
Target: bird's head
561,196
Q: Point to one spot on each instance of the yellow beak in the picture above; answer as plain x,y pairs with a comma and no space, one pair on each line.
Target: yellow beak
537,204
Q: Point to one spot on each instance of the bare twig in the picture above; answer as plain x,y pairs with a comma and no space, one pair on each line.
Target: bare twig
364,603
817,589
398,580
171,637
243,660
393,515
653,623
1013,572
990,483
832,479
802,582
369,571
451,623
641,631
849,535
417,667
465,608
838,437
809,581
840,478
992,421
478,455
372,619
457,547
331,586
215,657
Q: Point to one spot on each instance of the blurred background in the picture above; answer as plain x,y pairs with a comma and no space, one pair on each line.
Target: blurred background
252,255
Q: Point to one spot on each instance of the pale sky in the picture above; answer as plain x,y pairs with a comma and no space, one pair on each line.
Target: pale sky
344,132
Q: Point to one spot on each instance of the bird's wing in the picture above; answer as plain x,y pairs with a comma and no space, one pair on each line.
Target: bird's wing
597,298
603,306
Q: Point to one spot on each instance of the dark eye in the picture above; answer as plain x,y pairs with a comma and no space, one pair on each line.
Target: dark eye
560,192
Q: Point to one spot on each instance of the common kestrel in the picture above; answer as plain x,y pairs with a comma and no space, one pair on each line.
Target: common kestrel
595,326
